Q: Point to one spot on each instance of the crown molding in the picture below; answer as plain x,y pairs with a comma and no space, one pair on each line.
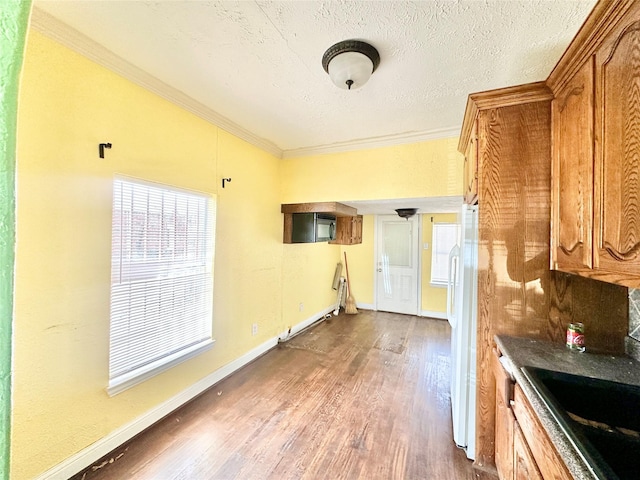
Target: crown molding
71,38
601,21
76,41
374,142
499,98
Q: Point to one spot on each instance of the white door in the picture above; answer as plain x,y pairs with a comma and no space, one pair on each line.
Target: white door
397,267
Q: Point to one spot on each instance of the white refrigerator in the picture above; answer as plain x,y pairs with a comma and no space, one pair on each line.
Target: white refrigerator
462,308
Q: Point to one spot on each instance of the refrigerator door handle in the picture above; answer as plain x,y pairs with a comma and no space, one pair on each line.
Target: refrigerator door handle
454,258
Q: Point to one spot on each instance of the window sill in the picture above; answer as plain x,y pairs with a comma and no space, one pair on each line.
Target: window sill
124,382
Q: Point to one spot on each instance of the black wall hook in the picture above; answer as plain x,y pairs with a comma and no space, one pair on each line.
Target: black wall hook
101,148
225,180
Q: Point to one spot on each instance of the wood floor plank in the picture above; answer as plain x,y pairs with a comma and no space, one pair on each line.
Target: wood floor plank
356,397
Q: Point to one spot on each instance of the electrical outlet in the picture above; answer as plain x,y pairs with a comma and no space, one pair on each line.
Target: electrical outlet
301,307
254,329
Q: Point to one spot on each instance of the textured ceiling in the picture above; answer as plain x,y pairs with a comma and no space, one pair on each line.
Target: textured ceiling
258,63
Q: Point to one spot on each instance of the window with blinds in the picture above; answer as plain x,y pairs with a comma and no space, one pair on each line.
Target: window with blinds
445,236
161,279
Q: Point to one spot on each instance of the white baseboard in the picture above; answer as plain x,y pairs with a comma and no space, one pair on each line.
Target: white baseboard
305,323
94,452
428,313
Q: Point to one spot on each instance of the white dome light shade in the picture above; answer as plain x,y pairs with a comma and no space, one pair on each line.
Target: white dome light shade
350,63
350,70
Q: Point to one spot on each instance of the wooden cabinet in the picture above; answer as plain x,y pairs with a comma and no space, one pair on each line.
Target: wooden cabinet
572,172
523,450
617,161
505,421
524,465
471,167
513,128
348,230
596,148
348,222
546,457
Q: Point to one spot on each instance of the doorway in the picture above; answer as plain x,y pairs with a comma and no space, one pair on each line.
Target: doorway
397,275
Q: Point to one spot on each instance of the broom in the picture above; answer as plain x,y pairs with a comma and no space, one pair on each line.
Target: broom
350,304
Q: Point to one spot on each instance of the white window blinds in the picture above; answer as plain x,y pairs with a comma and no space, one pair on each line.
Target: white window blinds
161,279
445,236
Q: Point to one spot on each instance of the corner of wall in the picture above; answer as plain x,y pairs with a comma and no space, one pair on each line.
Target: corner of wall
14,18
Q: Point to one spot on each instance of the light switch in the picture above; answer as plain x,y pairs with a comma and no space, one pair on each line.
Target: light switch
425,246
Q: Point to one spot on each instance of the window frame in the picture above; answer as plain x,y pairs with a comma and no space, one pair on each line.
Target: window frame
161,279
437,253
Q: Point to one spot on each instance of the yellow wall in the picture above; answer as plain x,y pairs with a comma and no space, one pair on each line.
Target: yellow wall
427,169
434,299
67,106
307,279
424,169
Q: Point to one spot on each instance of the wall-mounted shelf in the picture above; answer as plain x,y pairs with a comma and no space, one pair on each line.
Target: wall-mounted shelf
333,208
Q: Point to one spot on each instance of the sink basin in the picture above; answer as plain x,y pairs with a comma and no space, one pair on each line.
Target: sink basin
600,417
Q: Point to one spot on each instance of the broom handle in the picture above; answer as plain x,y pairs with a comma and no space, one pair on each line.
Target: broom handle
346,267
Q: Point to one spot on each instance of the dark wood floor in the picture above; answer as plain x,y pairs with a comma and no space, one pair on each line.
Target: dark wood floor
357,397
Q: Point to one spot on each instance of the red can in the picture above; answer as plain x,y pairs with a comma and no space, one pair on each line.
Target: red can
575,337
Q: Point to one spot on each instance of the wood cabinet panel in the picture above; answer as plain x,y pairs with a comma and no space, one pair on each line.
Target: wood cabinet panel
602,307
334,208
597,109
514,194
572,175
524,465
504,421
617,173
514,164
348,231
546,456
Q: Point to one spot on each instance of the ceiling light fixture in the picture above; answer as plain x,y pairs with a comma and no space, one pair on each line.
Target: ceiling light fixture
350,63
406,212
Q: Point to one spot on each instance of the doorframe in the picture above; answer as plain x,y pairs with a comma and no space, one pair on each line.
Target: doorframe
375,263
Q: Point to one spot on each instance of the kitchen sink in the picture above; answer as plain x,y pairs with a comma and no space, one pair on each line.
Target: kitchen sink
600,417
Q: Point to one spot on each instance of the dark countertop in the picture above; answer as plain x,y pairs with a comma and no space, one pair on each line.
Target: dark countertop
521,352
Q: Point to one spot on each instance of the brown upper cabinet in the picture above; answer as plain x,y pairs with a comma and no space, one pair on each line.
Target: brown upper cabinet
348,222
348,231
596,148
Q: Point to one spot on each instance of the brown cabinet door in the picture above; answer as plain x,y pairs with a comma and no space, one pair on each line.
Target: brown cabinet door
617,168
572,172
357,229
471,168
539,446
348,230
524,465
504,422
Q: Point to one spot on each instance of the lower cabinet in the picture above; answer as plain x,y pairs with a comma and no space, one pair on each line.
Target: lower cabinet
523,450
505,421
524,465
